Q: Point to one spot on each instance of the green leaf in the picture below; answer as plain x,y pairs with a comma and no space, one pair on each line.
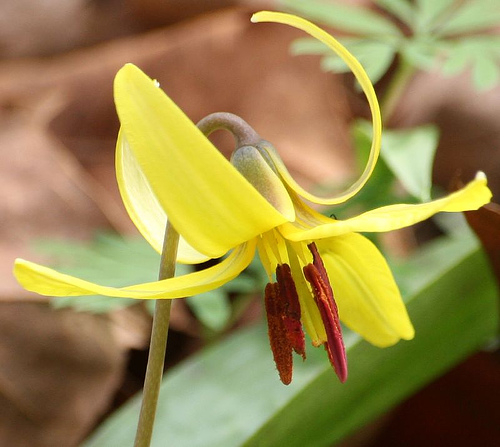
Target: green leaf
485,72
420,52
482,53
229,394
410,155
402,9
343,17
456,61
379,190
376,58
116,261
472,16
212,308
308,45
428,12
109,260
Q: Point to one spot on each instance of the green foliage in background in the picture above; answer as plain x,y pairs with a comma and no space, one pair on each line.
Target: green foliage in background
117,261
449,35
112,260
229,395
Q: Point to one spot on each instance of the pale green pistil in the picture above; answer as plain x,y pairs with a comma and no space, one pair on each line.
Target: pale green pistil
250,163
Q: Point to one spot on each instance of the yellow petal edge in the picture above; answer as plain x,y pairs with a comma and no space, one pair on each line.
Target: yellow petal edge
387,218
366,85
46,281
366,293
206,199
142,205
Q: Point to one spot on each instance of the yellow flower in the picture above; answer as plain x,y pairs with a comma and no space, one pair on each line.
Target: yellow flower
167,167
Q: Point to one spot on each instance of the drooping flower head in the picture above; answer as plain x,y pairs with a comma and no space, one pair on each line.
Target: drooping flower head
320,269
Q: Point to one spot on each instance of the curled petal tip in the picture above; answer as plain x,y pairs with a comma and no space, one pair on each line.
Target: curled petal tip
260,16
363,79
480,175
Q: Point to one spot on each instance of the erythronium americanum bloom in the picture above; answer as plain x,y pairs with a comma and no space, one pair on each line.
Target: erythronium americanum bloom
320,269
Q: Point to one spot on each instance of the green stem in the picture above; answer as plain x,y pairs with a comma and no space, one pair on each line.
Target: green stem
158,345
396,88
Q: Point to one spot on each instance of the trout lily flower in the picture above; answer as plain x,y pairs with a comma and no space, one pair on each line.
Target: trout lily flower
321,270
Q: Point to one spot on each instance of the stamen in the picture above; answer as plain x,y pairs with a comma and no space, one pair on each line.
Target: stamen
280,344
291,309
316,274
283,321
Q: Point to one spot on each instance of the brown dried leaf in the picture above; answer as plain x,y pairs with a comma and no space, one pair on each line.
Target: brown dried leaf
486,224
57,120
59,373
468,124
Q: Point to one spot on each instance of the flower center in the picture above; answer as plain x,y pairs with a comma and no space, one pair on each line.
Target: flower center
300,295
251,160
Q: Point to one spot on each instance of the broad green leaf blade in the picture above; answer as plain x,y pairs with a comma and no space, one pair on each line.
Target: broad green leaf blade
116,261
217,398
343,17
326,411
378,191
410,156
212,308
229,395
109,259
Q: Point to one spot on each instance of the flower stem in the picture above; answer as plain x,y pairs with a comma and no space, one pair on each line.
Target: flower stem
241,130
396,88
158,345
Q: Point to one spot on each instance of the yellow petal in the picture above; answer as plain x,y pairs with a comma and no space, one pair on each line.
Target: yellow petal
367,296
46,281
366,85
143,206
474,195
207,200
309,312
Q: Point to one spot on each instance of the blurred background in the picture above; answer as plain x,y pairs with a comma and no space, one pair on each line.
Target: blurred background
63,370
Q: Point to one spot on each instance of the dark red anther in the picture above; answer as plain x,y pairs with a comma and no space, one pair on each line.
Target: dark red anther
316,274
280,344
283,320
291,309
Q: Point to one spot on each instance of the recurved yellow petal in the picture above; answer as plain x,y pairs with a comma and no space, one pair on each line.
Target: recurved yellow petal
143,206
474,195
207,200
46,281
366,85
367,296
